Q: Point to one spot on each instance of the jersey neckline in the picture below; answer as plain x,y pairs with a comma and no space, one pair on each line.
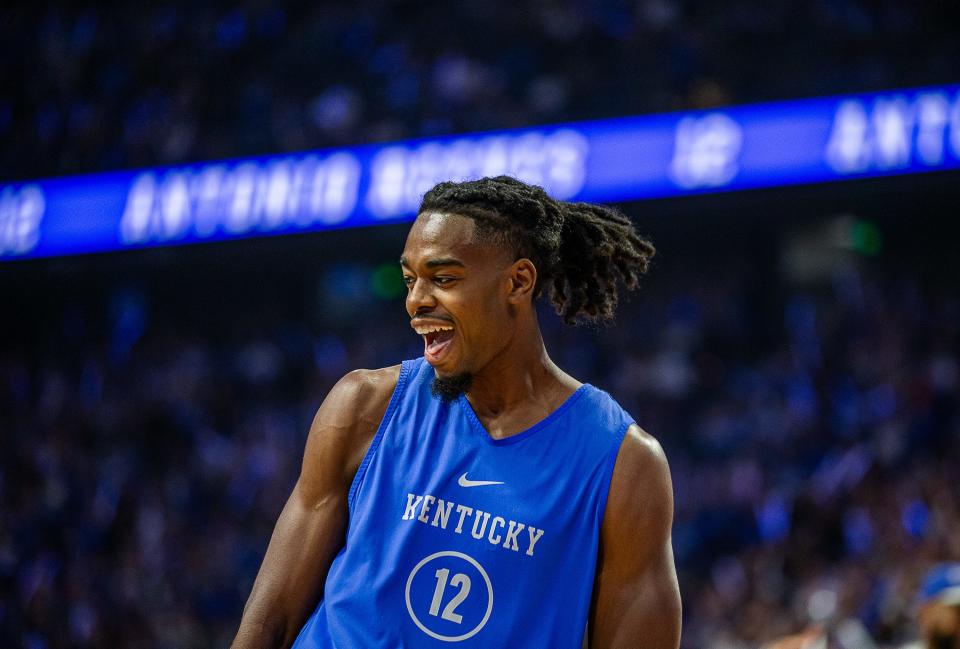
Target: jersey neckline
480,429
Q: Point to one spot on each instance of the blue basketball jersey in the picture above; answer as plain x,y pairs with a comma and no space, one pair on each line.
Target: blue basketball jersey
456,537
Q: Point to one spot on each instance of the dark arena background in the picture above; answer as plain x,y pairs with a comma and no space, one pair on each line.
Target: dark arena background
794,348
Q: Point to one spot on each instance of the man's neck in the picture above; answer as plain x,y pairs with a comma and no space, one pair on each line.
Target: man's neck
519,388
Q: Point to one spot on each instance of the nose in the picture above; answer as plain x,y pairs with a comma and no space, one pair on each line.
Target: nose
420,298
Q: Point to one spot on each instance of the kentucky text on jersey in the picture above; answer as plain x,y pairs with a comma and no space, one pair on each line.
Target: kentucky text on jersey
503,532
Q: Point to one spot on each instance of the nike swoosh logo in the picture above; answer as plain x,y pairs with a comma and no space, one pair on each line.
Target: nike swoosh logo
464,482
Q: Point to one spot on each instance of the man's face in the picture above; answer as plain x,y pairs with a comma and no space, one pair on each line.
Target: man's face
457,290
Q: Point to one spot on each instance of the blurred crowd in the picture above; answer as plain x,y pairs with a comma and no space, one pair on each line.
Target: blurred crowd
102,86
149,444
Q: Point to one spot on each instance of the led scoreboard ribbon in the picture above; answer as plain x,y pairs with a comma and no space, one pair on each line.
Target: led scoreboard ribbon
675,154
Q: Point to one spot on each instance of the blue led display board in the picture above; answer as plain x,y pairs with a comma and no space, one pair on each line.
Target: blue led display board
653,156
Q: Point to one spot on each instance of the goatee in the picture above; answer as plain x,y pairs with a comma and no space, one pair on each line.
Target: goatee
449,388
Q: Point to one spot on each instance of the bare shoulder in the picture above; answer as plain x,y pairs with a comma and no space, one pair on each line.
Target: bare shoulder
360,395
344,426
641,492
641,458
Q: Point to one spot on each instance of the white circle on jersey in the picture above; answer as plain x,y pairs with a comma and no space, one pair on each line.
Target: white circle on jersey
449,612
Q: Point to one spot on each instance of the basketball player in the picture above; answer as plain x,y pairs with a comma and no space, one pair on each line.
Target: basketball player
479,496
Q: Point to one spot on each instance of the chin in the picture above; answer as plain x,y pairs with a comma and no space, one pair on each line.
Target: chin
446,367
444,370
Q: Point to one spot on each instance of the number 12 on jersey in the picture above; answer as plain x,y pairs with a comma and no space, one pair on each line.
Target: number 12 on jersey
449,611
453,594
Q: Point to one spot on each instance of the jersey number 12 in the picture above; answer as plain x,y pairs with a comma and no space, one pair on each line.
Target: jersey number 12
449,613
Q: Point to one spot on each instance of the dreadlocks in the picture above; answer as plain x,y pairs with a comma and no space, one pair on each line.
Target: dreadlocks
580,250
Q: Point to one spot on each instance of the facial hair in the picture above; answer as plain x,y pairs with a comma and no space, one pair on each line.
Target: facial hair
449,388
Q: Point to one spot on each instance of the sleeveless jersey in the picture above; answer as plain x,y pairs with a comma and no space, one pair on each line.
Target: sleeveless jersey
459,539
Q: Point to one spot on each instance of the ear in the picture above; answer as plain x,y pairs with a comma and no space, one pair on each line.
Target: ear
523,279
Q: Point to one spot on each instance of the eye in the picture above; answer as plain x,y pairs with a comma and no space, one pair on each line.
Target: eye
441,280
408,280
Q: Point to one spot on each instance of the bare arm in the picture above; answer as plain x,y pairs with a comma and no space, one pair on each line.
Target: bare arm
636,597
313,523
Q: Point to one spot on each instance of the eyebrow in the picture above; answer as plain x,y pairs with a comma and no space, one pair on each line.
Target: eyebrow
435,263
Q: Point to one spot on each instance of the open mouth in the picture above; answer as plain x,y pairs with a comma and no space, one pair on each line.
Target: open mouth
437,339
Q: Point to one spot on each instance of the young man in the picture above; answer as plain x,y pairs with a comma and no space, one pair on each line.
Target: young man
480,496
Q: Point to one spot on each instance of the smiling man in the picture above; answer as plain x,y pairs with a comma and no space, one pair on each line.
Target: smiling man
479,496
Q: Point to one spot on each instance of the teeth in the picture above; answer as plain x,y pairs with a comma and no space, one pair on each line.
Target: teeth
431,329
